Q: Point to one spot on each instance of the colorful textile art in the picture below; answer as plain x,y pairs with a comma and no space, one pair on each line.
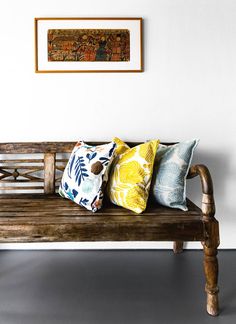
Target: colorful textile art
89,45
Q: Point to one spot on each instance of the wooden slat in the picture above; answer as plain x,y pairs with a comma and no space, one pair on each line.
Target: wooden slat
57,182
49,173
189,231
48,147
62,161
60,167
64,216
38,203
22,161
36,147
22,167
36,179
27,196
22,187
60,209
93,222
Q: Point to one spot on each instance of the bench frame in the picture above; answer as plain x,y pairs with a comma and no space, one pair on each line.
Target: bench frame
11,176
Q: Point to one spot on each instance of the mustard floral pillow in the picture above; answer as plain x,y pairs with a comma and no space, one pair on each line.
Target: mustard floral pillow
131,174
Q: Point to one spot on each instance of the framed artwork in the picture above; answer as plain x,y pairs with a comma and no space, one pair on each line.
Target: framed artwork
88,45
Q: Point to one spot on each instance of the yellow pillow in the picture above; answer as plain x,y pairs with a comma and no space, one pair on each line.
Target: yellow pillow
131,174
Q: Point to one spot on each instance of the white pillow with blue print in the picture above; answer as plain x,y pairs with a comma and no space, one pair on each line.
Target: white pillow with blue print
170,172
86,174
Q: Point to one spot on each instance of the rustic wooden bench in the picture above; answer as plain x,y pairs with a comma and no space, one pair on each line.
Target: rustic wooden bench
32,211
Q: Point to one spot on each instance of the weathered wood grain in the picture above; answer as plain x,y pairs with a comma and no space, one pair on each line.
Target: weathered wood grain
49,173
21,174
18,161
99,231
15,188
32,203
48,147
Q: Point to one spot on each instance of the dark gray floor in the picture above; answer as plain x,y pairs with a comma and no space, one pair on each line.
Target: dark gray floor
115,287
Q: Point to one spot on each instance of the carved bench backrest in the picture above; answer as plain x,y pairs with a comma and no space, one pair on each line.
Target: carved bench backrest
40,174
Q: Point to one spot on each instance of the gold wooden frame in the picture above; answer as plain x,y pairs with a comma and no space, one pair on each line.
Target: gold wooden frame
86,71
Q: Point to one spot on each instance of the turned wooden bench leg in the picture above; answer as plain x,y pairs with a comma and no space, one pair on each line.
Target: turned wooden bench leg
211,273
211,237
211,264
178,247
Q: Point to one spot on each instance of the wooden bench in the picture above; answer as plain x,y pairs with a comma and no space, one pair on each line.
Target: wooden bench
39,214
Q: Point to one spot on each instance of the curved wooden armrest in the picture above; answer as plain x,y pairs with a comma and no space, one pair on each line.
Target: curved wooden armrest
204,173
208,204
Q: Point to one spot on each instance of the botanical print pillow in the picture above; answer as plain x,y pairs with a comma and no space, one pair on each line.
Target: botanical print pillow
170,172
86,173
131,174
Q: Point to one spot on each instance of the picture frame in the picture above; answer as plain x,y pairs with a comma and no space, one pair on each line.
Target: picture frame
75,45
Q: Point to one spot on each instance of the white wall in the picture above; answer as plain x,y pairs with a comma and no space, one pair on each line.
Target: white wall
186,91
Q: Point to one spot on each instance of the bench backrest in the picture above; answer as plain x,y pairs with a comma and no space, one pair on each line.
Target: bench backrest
37,174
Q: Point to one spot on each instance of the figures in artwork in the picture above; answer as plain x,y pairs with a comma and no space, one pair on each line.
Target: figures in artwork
89,45
101,53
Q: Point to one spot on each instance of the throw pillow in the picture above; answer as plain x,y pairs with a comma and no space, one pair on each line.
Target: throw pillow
131,174
86,173
170,172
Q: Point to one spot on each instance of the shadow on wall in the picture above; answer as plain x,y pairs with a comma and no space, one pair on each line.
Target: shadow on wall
222,172
219,168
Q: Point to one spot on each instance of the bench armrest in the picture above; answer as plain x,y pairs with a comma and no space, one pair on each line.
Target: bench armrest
208,204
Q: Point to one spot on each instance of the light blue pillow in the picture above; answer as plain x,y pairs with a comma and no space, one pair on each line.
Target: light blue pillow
170,172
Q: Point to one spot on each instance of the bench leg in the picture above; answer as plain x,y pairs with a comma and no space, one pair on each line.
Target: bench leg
178,247
211,273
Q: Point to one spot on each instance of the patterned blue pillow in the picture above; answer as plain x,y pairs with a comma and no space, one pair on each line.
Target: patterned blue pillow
85,176
170,171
